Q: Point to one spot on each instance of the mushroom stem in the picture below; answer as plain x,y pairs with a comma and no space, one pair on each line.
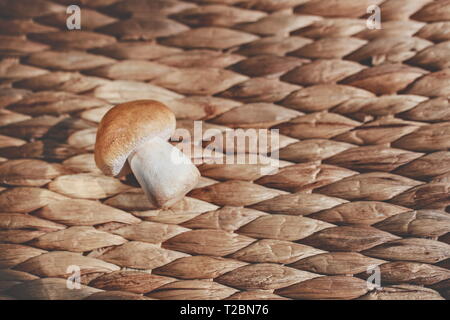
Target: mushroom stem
163,171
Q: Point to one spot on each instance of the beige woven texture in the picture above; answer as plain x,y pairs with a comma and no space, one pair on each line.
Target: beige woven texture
364,118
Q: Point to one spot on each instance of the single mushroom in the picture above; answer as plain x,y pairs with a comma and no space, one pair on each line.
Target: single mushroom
138,131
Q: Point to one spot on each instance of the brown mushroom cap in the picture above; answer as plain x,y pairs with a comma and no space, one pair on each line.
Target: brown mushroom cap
125,127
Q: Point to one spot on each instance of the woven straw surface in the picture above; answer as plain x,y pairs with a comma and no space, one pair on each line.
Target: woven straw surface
364,118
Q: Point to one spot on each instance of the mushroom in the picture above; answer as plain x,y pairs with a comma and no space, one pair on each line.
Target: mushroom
134,135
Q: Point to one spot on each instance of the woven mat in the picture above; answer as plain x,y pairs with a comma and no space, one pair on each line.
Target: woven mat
364,118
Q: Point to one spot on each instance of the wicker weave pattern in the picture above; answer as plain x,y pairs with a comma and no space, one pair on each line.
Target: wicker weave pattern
365,123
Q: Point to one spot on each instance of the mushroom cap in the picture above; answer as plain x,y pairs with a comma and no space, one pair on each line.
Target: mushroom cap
127,126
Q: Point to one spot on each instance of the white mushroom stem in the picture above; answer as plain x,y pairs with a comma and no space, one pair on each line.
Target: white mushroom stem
163,171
